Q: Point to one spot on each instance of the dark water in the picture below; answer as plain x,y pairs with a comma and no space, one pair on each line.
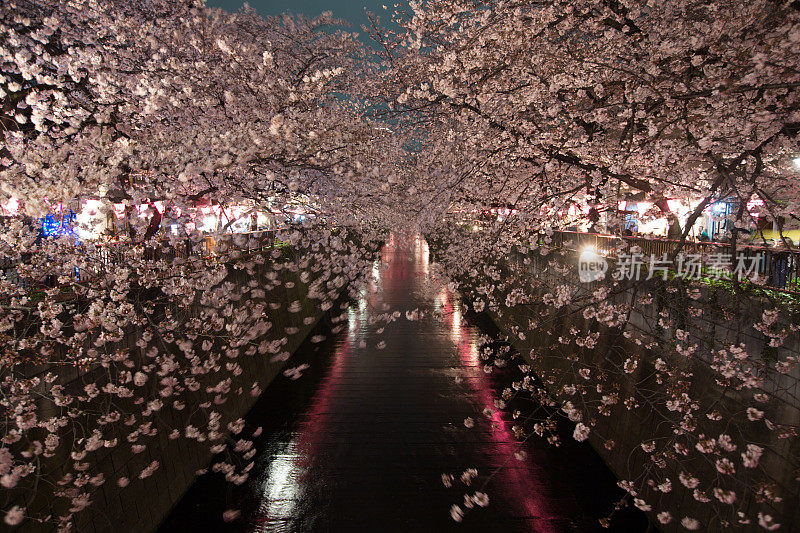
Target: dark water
359,443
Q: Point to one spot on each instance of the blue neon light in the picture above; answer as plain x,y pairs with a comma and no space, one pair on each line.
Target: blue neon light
56,227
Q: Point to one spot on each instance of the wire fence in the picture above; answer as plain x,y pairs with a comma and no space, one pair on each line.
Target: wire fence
100,256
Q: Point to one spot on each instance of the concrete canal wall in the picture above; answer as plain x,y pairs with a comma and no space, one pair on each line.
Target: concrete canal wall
718,326
143,504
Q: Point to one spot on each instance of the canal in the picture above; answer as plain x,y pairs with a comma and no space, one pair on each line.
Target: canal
361,440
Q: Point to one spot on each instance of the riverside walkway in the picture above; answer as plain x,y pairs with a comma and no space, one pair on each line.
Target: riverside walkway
359,442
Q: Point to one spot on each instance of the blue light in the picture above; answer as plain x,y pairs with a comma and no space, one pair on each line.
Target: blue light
55,227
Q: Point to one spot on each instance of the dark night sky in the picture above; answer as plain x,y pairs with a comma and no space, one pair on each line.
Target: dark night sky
351,10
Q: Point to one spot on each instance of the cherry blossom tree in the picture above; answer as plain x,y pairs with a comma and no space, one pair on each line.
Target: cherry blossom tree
544,103
164,108
554,110
203,101
173,104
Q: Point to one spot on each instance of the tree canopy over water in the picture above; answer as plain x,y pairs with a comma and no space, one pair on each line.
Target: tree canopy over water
542,114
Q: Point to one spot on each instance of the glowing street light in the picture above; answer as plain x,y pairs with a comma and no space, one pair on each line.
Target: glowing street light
11,207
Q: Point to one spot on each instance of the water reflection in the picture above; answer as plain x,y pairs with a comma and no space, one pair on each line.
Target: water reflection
360,442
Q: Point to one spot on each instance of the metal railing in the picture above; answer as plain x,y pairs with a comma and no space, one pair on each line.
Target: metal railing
106,254
778,267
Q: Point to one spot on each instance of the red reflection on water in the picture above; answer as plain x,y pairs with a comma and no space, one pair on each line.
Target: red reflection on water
283,487
399,276
308,437
519,483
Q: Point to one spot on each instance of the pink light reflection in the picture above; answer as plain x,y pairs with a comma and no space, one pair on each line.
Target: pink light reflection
518,481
